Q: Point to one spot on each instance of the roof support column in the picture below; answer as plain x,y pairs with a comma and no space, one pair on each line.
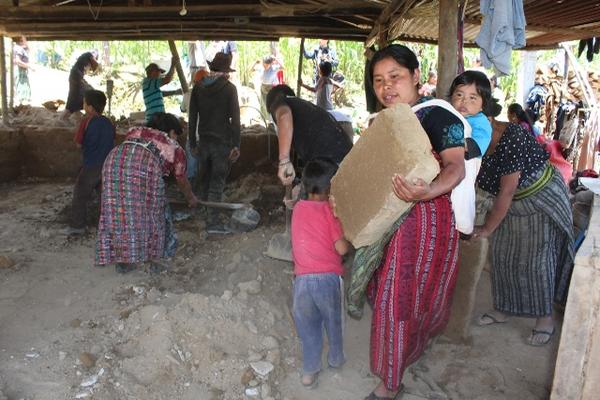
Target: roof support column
3,81
447,46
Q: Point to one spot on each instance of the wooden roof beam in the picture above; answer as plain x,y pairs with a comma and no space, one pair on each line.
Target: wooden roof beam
380,28
243,9
583,32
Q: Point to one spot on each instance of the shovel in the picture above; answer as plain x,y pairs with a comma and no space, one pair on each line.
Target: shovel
280,245
244,218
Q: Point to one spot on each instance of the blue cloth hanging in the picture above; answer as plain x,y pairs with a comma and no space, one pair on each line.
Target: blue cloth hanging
502,30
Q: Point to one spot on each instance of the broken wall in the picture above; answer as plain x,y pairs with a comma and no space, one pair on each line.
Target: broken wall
49,152
10,156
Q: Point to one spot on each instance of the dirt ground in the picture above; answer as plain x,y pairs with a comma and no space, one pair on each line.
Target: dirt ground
216,325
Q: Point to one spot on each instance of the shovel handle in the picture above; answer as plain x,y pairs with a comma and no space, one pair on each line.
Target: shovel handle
215,204
288,212
288,192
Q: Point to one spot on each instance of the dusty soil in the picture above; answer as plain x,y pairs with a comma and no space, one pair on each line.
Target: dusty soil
209,327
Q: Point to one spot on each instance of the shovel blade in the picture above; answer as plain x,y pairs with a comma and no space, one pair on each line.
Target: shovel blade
280,247
244,220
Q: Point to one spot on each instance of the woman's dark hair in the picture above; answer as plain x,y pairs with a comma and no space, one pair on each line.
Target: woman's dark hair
522,115
399,53
166,123
96,99
86,59
494,108
276,94
325,68
316,176
482,85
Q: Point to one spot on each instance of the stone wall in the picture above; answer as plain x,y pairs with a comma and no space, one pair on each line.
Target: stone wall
49,152
10,156
577,372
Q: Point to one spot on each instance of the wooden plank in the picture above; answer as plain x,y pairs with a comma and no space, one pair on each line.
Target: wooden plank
12,75
348,7
3,91
447,46
396,9
300,58
578,32
180,74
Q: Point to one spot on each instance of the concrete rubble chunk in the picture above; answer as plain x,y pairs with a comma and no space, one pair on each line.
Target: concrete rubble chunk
88,360
262,368
250,287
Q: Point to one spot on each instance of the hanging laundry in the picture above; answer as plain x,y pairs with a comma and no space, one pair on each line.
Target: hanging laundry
536,100
593,47
502,30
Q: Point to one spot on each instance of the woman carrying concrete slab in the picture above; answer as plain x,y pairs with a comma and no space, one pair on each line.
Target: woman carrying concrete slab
411,289
310,130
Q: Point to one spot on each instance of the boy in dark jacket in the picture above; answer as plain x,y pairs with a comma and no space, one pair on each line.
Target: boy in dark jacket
96,137
214,133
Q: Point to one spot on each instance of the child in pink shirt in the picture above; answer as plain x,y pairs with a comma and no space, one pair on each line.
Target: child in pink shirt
318,245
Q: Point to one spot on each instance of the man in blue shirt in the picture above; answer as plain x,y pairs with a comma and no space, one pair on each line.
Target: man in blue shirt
153,97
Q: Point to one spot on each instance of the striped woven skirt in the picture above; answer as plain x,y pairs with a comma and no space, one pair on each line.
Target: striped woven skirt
411,291
133,223
532,252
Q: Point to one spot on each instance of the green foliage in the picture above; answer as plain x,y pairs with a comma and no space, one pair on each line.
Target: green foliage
130,57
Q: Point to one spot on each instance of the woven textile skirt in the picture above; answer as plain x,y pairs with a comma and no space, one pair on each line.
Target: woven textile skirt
22,86
133,219
532,252
411,291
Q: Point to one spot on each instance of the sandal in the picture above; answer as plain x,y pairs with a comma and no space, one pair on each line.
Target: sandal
489,319
311,381
535,332
397,396
123,268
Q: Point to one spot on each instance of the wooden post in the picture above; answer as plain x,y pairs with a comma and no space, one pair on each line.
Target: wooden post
11,57
180,74
300,58
3,81
447,46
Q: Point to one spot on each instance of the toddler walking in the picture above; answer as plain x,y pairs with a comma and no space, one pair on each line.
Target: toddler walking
317,247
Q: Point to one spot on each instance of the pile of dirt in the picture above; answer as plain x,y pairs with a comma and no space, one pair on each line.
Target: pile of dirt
191,346
251,187
40,116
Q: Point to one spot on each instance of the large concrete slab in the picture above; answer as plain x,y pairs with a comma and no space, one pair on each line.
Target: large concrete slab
395,143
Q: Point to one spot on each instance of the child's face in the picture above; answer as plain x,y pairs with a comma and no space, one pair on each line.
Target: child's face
466,100
87,108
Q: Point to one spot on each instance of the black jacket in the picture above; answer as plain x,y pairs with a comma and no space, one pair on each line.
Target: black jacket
215,109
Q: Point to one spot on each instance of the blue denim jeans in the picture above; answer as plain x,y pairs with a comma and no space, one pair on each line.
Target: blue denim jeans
318,305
